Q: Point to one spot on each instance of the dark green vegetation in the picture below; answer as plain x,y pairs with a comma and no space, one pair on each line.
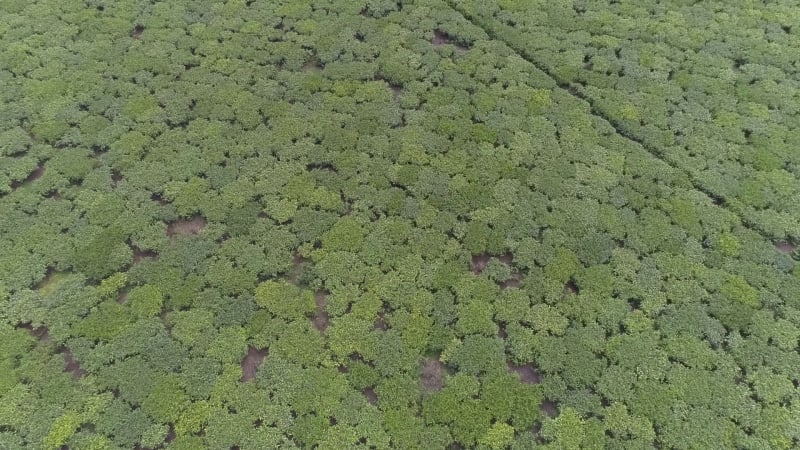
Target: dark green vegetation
337,224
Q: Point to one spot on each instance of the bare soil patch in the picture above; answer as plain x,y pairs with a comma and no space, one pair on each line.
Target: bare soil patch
252,361
527,373
163,317
39,333
785,247
514,282
186,227
479,263
33,176
312,67
501,331
370,394
321,166
380,322
506,258
440,38
158,198
48,279
50,282
171,435
71,365
433,372
570,288
321,318
395,89
116,177
297,268
139,255
549,407
137,31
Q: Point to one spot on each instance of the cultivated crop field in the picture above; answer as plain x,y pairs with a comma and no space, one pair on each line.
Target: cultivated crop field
377,224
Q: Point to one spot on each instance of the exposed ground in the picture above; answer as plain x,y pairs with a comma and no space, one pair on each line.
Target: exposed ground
252,361
186,227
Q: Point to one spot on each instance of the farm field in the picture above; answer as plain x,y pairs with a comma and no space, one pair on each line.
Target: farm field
385,224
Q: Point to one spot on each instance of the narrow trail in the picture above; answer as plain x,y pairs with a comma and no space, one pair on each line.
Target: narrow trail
573,89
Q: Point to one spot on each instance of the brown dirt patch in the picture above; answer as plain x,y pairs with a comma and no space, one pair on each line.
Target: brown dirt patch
186,227
116,177
71,365
252,361
549,407
785,247
370,394
380,322
33,176
570,288
171,435
297,268
433,372
479,263
122,298
50,282
48,279
312,67
321,318
527,373
321,166
162,316
440,38
137,31
514,282
139,255
158,198
501,332
395,89
39,333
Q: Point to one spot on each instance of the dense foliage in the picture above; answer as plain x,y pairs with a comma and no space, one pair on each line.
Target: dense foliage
711,87
378,224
